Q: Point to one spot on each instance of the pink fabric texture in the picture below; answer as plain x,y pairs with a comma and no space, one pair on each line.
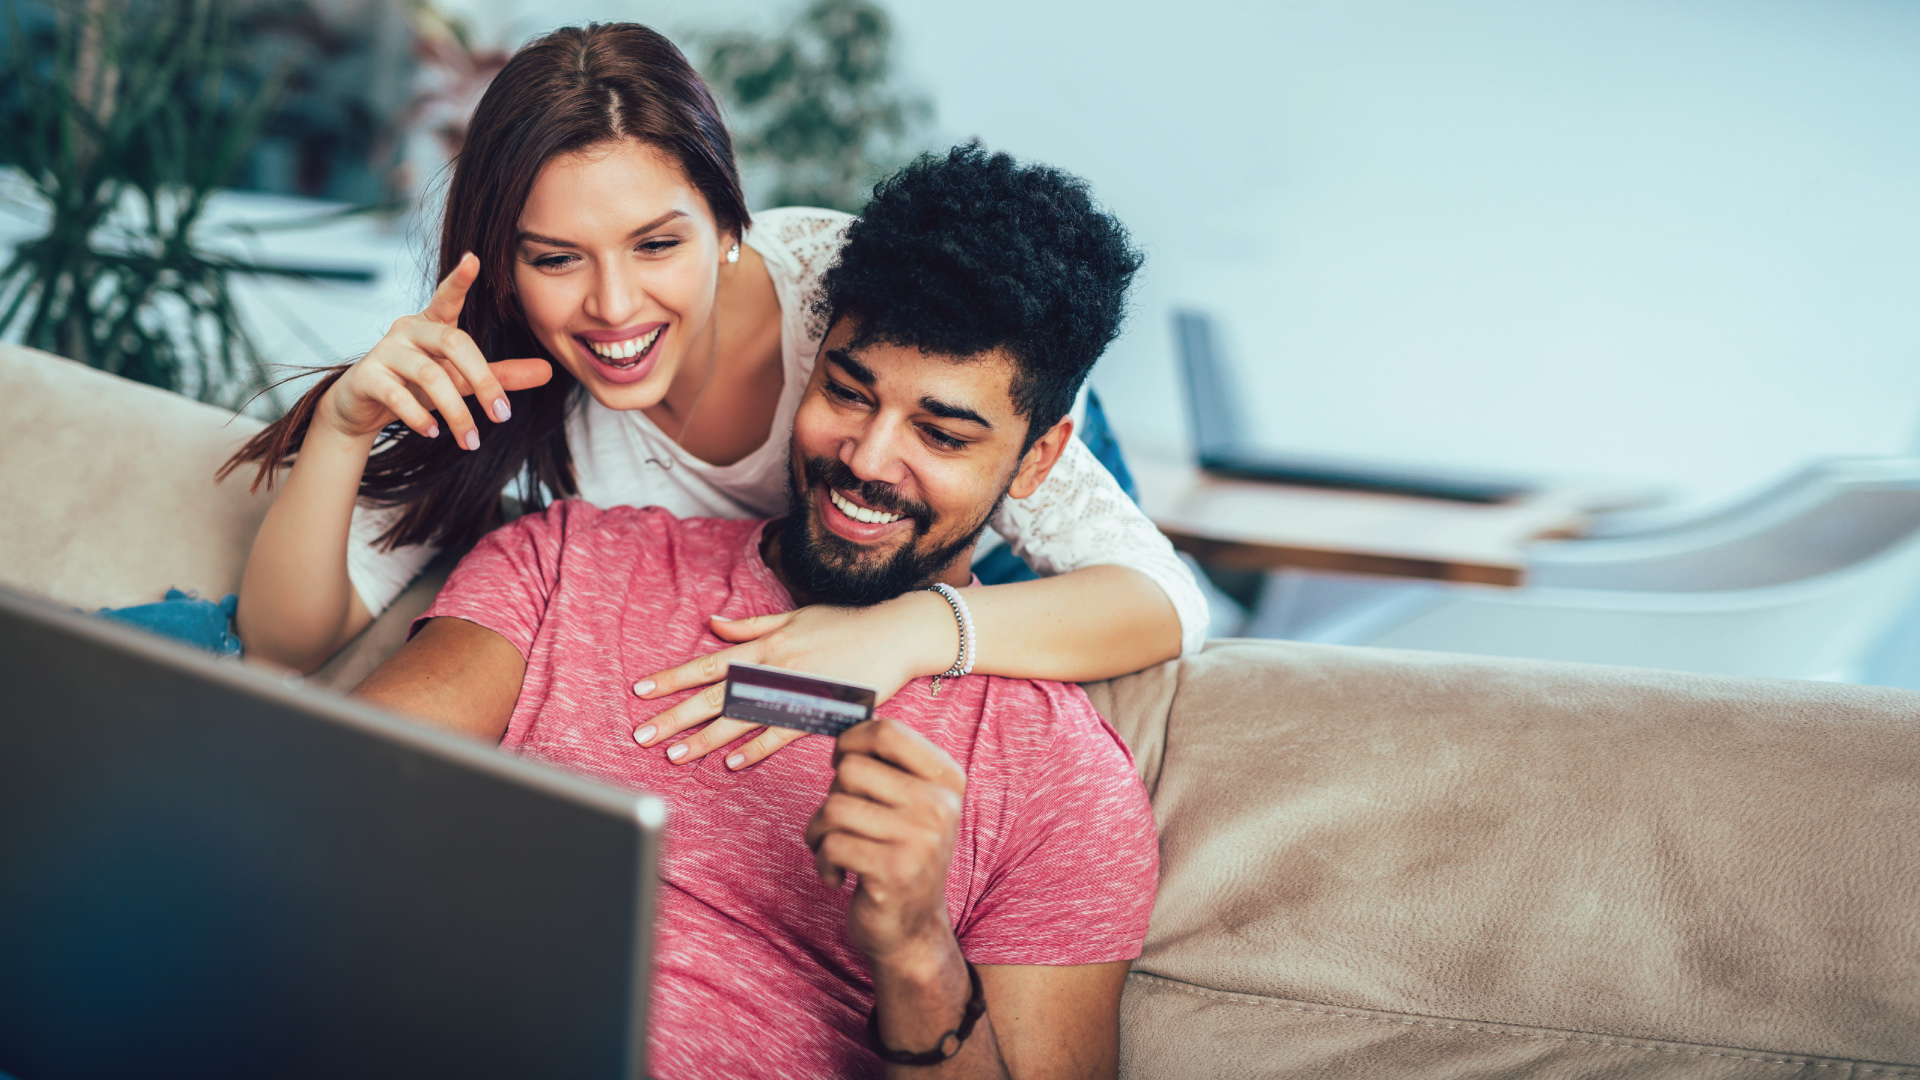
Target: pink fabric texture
1056,861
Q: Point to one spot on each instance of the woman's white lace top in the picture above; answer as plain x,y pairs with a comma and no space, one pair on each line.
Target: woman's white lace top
1079,516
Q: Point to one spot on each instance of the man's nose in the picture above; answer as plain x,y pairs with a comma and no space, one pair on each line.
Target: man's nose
874,453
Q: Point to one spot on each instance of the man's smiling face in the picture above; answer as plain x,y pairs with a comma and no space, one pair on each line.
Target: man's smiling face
898,460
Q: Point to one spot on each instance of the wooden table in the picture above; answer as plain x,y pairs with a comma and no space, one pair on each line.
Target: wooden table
1249,525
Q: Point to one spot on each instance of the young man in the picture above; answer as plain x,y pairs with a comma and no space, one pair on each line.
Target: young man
987,822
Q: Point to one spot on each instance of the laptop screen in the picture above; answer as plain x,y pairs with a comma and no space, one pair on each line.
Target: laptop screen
205,872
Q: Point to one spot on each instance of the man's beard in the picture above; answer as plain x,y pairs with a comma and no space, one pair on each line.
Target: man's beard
836,570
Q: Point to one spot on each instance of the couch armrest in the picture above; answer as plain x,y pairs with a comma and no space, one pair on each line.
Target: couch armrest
1381,863
109,497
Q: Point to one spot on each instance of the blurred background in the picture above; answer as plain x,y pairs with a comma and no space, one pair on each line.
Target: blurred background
1670,248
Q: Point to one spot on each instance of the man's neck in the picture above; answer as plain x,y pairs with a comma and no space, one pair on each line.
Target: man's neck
958,573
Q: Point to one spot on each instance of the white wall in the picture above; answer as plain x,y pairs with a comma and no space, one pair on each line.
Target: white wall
1677,240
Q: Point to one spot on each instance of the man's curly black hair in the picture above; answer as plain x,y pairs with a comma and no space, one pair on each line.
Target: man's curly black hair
966,252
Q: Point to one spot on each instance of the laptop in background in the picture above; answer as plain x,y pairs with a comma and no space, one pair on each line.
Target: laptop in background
208,873
1221,443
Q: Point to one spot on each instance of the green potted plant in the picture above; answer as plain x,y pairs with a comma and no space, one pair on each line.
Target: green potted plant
813,108
124,117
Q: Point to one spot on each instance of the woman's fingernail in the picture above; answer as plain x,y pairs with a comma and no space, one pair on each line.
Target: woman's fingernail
643,687
502,411
679,751
433,431
734,761
645,735
473,440
720,618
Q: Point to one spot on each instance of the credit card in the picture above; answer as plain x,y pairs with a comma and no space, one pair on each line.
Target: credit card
771,695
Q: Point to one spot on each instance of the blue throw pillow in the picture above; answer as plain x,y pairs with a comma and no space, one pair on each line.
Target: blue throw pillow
183,616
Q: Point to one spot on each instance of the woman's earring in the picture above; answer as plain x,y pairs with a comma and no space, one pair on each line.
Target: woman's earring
733,253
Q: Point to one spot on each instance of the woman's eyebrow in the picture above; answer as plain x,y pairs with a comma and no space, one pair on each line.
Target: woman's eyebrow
554,241
657,222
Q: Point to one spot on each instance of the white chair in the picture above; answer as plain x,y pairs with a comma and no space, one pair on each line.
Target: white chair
1799,584
1829,515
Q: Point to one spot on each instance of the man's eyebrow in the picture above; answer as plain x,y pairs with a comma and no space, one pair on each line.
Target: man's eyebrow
860,372
947,411
551,241
864,375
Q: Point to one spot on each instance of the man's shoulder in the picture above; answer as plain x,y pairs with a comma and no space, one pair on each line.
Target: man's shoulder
1065,854
577,519
572,545
1039,726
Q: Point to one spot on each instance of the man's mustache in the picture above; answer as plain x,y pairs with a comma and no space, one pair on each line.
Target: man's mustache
880,496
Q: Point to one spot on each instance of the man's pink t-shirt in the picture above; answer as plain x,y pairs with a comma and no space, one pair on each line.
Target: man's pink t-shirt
1056,860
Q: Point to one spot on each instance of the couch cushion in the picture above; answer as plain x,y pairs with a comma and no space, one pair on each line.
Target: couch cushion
109,497
1380,863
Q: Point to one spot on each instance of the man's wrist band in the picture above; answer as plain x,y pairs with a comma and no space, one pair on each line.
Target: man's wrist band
963,663
949,1044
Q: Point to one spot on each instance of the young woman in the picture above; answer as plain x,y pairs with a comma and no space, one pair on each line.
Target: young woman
621,332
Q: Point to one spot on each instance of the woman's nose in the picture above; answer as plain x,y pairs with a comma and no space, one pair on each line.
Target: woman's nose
614,298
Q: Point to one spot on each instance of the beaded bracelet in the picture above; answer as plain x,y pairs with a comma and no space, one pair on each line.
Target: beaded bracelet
963,663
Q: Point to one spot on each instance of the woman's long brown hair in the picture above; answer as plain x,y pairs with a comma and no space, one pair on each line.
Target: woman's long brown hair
574,88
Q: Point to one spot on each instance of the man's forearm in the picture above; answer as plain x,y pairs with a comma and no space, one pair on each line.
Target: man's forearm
919,1001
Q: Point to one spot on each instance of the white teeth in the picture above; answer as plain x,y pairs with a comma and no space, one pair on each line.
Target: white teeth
861,513
624,350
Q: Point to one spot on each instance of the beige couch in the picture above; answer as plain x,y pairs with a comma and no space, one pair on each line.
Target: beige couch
1376,864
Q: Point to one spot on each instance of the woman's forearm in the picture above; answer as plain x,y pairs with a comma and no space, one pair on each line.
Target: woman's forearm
297,605
1097,622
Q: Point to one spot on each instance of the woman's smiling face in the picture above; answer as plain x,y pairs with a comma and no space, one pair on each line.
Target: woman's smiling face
615,267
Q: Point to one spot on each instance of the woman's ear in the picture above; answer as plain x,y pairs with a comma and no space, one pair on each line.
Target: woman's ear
1040,459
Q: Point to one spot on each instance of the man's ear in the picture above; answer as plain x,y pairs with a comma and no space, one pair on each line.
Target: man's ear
1040,460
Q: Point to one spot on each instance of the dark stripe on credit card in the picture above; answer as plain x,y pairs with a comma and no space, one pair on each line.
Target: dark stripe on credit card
770,695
